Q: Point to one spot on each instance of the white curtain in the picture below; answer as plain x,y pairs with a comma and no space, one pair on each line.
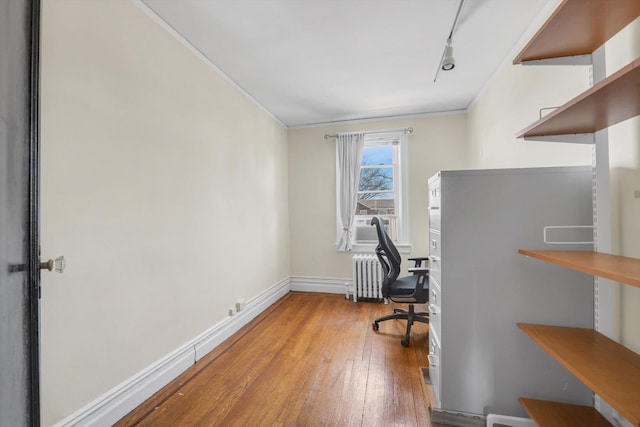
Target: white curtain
349,155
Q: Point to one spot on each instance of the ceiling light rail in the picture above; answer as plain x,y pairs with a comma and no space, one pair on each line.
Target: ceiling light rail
405,130
447,61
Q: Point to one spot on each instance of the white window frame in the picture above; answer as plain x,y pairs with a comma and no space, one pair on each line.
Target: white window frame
401,188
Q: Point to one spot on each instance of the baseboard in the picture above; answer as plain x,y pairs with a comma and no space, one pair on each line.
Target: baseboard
122,399
215,336
458,419
319,284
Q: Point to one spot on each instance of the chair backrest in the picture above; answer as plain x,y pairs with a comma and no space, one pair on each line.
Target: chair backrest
388,255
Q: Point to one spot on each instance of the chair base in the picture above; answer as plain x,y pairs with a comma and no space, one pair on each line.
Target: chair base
409,315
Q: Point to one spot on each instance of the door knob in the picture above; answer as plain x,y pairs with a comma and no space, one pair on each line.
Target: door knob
57,264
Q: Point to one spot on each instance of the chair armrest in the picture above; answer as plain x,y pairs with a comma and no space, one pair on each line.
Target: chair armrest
422,280
418,270
418,260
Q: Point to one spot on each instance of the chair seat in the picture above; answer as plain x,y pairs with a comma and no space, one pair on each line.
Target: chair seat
405,287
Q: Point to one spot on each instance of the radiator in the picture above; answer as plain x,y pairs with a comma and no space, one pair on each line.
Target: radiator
367,277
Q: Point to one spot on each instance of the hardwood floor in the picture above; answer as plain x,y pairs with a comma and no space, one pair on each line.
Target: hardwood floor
308,360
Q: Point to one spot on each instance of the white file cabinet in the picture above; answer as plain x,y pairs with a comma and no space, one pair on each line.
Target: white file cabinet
480,287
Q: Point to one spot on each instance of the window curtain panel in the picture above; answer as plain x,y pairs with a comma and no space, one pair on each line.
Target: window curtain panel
349,155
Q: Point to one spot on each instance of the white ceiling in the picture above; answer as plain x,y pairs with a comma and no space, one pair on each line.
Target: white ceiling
319,61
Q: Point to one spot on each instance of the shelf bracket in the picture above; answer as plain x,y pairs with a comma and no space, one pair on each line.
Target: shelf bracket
563,60
576,138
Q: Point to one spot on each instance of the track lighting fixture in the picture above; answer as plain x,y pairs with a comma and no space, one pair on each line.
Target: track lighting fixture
448,62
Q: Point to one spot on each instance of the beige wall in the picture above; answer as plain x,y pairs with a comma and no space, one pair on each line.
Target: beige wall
624,161
164,187
437,142
510,103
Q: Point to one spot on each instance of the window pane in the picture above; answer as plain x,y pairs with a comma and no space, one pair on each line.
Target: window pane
377,155
376,204
375,179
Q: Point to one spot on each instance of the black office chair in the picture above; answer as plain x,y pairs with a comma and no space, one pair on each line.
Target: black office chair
409,289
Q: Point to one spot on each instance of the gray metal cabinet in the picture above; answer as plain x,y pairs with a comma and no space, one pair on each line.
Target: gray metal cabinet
480,362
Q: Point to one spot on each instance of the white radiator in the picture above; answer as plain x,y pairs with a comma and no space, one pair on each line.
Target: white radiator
367,277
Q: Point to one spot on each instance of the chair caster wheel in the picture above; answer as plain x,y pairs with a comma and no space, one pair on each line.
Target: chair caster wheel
375,326
405,342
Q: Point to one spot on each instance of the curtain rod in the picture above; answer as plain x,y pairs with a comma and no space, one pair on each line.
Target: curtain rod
405,130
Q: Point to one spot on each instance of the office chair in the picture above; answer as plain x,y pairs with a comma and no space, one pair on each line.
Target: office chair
409,289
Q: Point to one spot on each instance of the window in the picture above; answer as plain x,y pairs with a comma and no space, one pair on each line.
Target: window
382,191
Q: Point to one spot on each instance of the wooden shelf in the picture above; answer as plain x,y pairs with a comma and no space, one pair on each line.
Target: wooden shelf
610,101
614,267
578,27
554,414
606,367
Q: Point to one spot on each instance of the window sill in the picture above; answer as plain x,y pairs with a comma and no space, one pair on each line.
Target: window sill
371,247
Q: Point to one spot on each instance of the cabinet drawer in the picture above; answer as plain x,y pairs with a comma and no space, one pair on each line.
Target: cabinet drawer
434,366
434,193
434,308
434,244
435,294
434,217
434,204
435,271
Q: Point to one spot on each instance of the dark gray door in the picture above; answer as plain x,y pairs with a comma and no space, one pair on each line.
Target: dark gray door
19,275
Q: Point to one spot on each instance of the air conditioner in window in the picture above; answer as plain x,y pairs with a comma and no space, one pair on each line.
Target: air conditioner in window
365,232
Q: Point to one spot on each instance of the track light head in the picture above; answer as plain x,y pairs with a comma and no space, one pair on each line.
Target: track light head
448,61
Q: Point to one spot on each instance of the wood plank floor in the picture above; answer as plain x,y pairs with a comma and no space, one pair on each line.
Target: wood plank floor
308,360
